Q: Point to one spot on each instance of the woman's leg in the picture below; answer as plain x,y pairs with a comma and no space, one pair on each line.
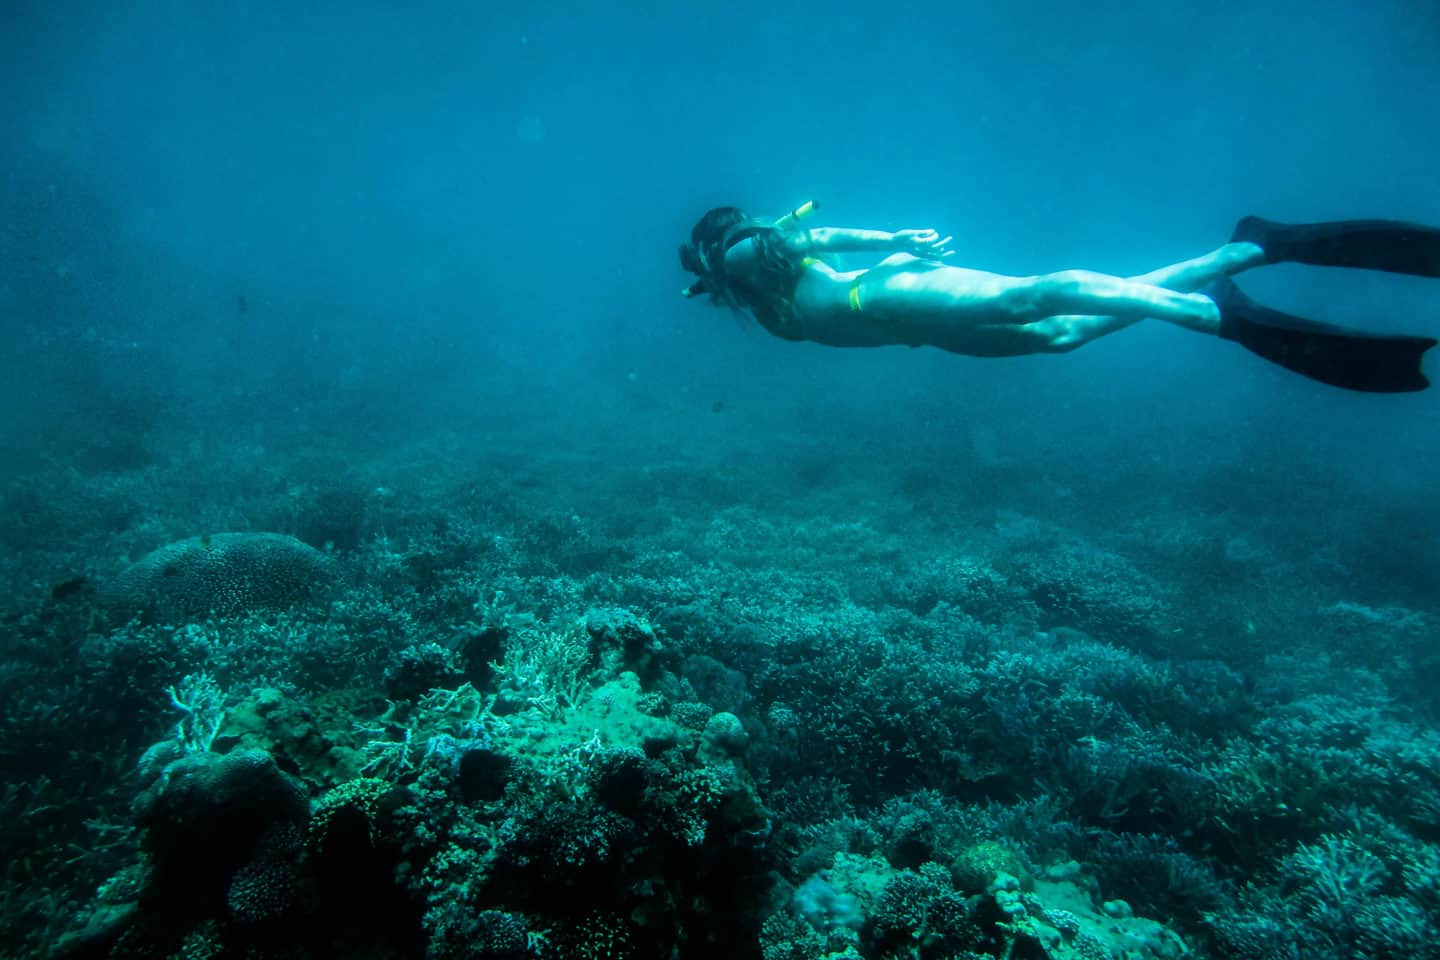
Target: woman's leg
1100,294
987,314
1199,273
1067,332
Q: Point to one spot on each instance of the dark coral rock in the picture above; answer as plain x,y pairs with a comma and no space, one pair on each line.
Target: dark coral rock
912,841
265,888
205,814
420,668
619,776
636,642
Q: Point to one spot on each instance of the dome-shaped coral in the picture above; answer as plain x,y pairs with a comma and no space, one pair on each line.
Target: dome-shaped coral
225,574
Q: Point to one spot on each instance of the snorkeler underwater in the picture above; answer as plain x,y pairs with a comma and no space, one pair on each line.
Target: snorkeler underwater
392,566
912,296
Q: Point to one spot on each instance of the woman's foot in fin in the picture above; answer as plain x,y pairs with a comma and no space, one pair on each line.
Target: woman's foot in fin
1389,245
1329,354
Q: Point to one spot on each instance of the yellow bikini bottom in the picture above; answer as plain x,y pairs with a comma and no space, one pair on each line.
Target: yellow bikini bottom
854,284
911,266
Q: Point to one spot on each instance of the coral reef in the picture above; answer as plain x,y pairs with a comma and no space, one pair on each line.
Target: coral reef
482,730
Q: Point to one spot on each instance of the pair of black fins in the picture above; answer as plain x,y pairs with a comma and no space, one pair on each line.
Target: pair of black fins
1374,363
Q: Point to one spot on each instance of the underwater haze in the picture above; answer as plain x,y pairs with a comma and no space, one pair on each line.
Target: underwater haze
395,565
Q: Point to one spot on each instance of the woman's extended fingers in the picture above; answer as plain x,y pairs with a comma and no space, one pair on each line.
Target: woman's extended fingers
937,245
928,242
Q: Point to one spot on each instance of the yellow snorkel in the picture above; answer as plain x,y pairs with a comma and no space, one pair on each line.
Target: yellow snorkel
798,214
786,222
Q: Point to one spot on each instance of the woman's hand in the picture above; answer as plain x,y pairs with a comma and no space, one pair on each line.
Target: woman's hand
927,244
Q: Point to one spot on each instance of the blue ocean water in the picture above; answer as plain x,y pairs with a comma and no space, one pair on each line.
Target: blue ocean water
394,564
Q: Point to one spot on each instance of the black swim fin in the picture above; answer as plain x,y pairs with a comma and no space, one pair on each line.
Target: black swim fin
1343,358
1389,245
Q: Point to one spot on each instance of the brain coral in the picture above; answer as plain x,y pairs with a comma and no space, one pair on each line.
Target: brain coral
225,574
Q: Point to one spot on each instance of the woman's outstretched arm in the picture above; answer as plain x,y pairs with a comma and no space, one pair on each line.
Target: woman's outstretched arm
920,243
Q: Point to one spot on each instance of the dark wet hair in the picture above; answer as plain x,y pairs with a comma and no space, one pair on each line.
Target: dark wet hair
768,294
